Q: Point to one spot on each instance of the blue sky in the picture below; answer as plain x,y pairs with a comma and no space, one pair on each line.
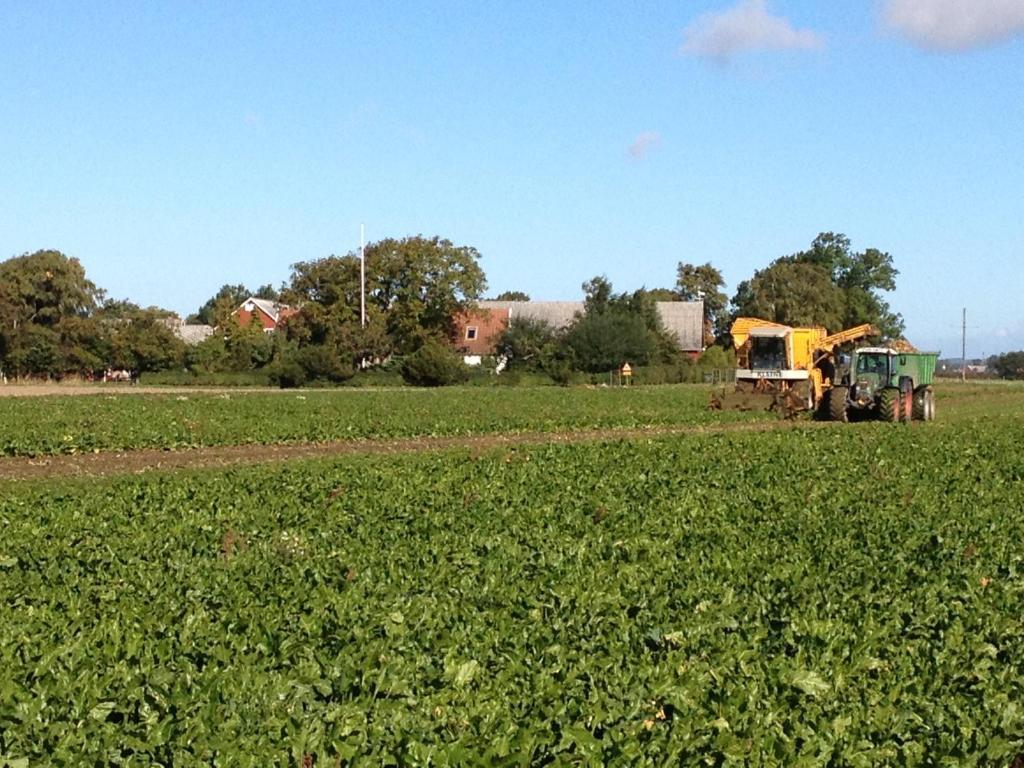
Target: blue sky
176,147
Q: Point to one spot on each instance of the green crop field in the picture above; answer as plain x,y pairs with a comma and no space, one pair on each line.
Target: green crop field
52,425
838,595
113,420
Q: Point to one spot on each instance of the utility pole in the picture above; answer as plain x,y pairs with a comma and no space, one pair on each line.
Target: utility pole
963,348
362,275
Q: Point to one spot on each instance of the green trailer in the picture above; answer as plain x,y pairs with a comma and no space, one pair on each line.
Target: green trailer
886,384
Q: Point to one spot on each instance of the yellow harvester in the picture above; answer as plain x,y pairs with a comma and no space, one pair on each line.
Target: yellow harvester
783,368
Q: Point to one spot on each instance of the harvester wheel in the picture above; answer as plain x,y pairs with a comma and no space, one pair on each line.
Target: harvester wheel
835,403
889,405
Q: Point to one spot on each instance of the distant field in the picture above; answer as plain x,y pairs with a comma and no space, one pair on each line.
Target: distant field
115,420
35,426
835,595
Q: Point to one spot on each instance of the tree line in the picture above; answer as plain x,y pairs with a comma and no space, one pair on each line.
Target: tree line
55,322
1009,365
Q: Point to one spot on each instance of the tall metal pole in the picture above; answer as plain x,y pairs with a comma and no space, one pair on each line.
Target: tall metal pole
362,275
963,348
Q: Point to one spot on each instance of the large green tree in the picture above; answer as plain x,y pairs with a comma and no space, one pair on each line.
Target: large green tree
421,284
135,338
662,294
46,286
1009,365
529,344
414,288
512,296
703,282
327,292
828,284
603,341
46,326
617,328
792,293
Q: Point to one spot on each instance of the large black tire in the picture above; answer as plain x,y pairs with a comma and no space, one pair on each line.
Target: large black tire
920,411
835,404
889,405
924,404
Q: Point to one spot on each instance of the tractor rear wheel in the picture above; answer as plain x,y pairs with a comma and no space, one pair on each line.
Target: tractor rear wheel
889,405
835,403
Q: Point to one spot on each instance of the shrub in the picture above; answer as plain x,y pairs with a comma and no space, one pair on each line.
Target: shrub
602,342
321,362
433,365
287,373
717,357
560,372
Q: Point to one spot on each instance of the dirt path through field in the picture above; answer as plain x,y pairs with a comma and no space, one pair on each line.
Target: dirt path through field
133,462
96,388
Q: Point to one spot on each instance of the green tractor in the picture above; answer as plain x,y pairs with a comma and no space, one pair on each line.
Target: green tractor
885,384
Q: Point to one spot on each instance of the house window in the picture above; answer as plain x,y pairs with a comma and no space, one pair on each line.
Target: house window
471,333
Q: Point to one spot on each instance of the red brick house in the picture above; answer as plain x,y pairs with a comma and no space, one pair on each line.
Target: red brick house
269,313
477,330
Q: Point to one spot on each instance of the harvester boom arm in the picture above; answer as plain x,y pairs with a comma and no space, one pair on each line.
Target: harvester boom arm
850,334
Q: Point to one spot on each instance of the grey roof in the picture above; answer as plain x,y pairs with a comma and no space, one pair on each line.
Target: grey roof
193,334
683,319
557,314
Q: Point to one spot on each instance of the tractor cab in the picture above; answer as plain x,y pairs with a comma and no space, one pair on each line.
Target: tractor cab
872,369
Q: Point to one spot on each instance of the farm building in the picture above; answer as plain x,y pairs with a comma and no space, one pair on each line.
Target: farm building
557,314
477,331
269,313
190,333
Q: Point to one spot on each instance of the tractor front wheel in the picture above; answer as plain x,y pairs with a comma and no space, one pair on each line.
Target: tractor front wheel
835,403
889,405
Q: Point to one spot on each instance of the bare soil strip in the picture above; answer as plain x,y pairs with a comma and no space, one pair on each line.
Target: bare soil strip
118,388
109,463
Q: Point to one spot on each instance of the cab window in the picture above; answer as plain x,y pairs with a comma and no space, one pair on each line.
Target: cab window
871,364
768,353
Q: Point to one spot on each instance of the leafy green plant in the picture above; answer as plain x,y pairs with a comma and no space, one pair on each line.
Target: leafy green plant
115,420
769,598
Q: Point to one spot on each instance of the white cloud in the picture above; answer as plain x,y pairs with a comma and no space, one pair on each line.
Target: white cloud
1011,331
955,25
746,27
643,144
